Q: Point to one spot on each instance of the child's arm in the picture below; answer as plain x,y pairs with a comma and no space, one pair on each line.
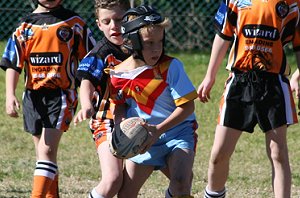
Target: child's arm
296,77
218,53
178,115
119,112
86,93
295,82
12,103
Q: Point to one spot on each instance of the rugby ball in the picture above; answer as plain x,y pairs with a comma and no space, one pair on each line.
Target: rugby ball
127,138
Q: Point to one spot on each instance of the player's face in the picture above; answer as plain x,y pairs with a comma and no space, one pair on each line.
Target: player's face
152,41
50,3
109,22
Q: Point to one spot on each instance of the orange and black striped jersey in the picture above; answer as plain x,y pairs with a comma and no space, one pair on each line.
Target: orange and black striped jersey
259,29
48,46
104,55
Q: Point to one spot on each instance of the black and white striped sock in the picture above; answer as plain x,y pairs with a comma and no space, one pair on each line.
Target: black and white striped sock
46,168
94,194
211,194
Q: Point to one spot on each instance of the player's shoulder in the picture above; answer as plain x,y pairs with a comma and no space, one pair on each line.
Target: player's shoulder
101,49
58,15
64,13
171,66
104,48
168,61
165,59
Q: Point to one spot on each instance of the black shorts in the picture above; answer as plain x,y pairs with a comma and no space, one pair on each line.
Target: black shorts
257,97
48,108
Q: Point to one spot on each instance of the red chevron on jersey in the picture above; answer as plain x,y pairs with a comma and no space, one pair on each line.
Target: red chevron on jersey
144,88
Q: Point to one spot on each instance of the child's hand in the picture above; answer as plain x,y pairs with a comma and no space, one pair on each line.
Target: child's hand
153,136
294,82
12,105
83,114
204,89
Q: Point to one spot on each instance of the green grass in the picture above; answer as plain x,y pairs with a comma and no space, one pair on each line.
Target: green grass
250,174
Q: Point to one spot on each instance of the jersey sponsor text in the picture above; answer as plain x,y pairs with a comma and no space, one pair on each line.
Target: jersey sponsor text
46,58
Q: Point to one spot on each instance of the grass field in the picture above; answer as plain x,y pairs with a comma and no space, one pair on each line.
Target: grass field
250,174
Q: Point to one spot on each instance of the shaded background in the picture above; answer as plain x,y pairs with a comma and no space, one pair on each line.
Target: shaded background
192,20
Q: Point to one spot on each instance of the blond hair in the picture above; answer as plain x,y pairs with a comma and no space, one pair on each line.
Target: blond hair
165,24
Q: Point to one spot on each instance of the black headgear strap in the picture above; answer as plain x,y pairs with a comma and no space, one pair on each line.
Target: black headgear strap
146,15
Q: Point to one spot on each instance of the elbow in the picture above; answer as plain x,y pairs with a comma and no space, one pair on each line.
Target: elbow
189,107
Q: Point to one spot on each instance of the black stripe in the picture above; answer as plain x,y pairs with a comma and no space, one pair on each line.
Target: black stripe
47,169
47,163
221,195
169,193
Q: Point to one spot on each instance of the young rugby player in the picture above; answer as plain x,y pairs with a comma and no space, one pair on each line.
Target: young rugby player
48,45
94,92
257,90
154,86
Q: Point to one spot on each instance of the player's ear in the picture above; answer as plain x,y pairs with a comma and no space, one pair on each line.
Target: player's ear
98,24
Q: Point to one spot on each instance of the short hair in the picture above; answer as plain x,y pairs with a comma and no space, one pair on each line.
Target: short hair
128,44
107,4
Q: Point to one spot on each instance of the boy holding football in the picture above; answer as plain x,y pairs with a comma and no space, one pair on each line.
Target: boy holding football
154,86
94,92
48,45
257,91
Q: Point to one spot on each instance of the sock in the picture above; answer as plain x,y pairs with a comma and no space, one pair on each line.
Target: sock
44,175
94,194
211,194
168,194
53,191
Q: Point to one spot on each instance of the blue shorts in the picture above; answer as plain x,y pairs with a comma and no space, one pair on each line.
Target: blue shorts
182,136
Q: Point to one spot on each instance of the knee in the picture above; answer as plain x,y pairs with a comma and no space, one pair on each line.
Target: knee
47,150
279,156
113,181
218,158
181,183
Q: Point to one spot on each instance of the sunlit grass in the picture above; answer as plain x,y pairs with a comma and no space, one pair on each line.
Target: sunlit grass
250,174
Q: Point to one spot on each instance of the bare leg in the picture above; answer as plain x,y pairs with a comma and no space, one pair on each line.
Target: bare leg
223,147
180,165
134,178
46,167
277,151
111,172
36,140
48,144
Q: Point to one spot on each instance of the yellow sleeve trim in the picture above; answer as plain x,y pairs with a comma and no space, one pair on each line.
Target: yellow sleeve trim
191,96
